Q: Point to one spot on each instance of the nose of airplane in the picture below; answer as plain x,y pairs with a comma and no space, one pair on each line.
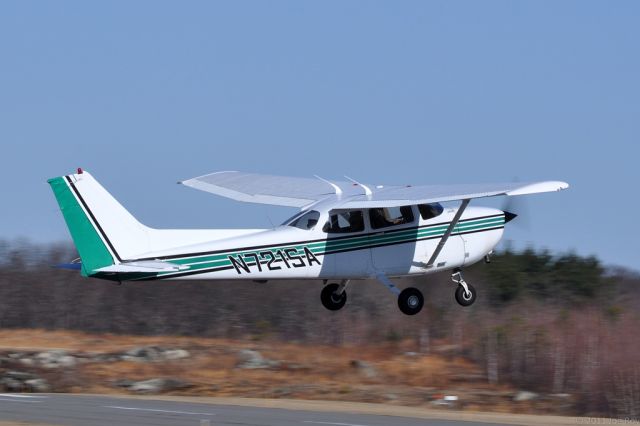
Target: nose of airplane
508,216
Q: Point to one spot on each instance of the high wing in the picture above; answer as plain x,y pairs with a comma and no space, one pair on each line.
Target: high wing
395,196
301,192
265,189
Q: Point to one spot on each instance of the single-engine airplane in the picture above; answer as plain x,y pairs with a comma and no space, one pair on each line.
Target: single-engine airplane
345,230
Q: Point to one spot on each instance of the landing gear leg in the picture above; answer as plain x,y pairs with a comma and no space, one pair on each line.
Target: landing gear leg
410,300
334,295
465,293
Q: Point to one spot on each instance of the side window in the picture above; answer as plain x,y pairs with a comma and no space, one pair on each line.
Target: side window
306,221
429,211
383,217
342,222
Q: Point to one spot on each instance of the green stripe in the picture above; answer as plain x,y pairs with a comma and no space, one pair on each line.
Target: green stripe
92,250
355,243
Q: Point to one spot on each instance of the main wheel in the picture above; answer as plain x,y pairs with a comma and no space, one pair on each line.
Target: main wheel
332,300
464,298
410,301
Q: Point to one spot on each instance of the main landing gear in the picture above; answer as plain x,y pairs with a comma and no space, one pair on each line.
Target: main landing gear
334,295
410,300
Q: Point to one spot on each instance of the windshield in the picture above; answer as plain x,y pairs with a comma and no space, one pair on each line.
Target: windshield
304,220
429,211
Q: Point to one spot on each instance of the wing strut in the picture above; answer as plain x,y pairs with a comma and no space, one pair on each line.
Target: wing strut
448,232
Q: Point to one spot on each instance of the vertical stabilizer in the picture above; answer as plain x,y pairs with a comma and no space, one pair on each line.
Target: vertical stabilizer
104,232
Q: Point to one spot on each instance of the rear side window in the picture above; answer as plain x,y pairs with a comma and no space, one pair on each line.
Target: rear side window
429,211
343,222
383,217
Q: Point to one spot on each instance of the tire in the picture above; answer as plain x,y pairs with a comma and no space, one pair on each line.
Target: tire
464,299
330,299
410,301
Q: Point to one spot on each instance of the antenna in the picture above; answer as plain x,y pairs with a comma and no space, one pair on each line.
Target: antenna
266,212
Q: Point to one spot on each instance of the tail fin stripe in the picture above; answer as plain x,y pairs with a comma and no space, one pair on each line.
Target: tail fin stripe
93,218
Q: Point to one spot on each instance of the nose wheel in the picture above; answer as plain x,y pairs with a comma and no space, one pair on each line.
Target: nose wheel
465,293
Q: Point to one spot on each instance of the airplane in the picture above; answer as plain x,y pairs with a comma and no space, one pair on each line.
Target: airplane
344,230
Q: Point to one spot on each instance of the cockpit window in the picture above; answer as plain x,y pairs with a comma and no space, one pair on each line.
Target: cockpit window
304,220
429,211
383,217
343,222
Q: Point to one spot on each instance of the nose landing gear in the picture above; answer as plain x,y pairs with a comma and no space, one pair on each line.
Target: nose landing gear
465,293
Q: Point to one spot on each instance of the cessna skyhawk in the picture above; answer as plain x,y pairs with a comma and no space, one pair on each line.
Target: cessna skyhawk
345,230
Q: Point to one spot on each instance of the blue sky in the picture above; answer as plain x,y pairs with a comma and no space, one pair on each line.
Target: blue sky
143,94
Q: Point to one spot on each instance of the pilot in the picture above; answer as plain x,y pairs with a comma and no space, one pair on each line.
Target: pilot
356,221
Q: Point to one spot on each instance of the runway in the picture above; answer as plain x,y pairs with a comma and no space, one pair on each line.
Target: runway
90,410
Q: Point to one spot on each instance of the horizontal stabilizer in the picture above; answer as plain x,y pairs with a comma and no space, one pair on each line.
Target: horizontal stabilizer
143,266
71,266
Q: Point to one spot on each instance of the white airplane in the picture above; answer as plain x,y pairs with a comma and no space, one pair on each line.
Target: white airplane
344,231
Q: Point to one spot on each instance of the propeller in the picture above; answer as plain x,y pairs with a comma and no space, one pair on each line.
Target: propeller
515,207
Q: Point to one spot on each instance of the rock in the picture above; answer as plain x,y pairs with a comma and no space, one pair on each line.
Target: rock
411,354
364,368
158,385
37,385
154,353
249,359
172,354
143,354
123,383
561,395
27,361
55,359
19,375
524,396
20,381
11,385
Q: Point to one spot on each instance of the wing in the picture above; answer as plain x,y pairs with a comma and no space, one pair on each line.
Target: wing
265,189
300,192
394,196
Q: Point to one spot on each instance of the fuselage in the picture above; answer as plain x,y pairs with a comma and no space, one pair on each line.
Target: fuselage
321,249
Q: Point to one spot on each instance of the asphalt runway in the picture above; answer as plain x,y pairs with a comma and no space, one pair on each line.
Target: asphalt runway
86,410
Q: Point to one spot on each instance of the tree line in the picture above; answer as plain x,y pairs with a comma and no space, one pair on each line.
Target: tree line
543,322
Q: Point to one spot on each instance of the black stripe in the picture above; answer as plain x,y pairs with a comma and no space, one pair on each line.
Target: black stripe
222,268
248,248
93,218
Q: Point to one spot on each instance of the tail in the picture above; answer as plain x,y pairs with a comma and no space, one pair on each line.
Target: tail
104,232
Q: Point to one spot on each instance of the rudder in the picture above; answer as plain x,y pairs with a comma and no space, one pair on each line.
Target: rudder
103,231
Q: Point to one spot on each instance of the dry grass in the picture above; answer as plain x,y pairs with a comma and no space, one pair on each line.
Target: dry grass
305,371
